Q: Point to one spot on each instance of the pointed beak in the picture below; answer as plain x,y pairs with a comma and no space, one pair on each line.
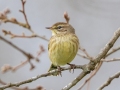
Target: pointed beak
48,27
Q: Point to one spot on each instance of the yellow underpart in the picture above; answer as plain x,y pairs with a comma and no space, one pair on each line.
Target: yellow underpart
63,49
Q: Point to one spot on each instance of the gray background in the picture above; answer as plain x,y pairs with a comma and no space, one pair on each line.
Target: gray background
95,22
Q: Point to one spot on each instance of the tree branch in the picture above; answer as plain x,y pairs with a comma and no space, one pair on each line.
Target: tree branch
7,67
39,76
113,50
99,66
29,56
4,18
23,12
109,81
92,74
75,81
91,66
17,48
23,35
85,52
111,60
83,56
23,88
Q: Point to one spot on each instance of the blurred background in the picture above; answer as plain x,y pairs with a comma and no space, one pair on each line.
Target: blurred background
95,22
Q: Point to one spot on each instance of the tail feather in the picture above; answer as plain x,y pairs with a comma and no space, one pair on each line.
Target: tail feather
52,67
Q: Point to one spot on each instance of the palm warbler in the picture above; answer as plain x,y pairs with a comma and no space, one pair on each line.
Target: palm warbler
63,44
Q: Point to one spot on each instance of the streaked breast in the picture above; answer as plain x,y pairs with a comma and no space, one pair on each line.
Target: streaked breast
63,49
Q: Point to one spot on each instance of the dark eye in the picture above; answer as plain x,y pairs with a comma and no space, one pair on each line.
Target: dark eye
59,27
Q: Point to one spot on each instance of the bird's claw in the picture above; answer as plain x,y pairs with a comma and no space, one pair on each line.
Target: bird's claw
59,71
72,66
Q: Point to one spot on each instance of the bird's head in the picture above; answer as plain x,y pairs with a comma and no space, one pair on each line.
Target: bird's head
61,28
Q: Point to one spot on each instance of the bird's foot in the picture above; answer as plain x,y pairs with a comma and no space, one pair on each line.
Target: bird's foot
72,66
59,70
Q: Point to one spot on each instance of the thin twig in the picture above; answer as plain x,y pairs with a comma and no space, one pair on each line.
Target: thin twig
113,50
4,13
99,66
23,52
7,67
85,52
39,76
83,56
109,81
92,74
11,44
66,17
23,12
29,56
13,20
40,51
23,88
111,60
23,35
4,18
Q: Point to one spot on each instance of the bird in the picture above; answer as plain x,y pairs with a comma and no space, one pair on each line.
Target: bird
63,45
